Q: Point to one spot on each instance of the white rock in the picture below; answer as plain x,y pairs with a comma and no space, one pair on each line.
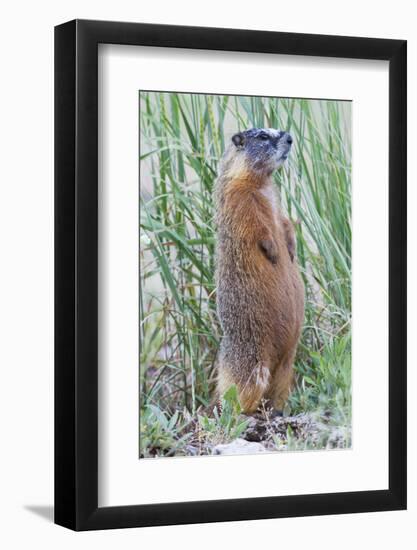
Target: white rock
239,447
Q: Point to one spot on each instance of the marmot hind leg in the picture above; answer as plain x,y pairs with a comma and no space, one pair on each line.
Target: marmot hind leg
251,389
281,385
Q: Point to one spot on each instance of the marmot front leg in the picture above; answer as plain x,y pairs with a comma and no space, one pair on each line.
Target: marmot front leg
289,237
270,250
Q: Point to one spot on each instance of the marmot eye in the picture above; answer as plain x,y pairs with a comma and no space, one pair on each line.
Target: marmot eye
264,136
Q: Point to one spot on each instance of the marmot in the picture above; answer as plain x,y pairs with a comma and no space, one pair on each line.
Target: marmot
260,294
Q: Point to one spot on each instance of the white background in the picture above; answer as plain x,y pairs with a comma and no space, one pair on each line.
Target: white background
123,479
26,180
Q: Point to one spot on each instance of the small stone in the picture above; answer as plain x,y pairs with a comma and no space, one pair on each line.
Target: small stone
191,450
238,447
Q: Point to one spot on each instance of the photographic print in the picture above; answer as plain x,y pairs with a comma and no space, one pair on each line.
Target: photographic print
245,274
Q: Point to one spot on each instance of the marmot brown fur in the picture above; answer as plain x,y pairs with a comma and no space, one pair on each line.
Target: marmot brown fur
260,294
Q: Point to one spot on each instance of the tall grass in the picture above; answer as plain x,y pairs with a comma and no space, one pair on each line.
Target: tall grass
182,138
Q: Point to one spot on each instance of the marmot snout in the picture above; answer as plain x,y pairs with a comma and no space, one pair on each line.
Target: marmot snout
260,294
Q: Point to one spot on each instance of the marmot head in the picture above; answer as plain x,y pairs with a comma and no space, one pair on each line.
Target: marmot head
263,149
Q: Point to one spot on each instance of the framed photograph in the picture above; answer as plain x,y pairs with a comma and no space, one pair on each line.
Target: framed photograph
230,284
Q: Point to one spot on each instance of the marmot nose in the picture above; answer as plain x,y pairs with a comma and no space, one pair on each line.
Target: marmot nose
288,139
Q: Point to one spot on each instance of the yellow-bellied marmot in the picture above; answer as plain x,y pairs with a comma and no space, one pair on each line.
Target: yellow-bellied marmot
260,294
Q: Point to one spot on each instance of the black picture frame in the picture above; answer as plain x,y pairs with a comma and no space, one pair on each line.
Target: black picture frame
76,272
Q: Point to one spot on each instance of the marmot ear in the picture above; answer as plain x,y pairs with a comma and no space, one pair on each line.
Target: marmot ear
238,139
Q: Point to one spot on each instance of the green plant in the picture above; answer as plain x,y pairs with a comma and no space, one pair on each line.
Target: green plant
325,380
160,435
226,424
